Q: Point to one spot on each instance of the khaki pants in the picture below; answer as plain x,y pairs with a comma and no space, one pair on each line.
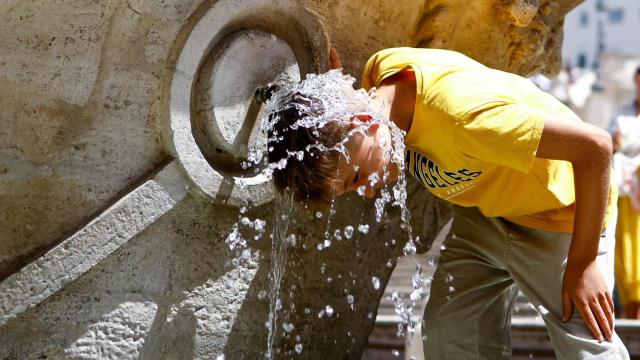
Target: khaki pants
485,262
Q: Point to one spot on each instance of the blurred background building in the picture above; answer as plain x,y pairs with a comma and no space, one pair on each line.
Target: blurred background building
597,26
601,51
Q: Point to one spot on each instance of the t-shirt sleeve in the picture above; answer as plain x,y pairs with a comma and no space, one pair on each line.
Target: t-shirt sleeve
384,64
502,133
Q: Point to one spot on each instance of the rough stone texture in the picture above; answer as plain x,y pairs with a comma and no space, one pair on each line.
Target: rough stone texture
77,119
83,118
519,36
94,242
162,295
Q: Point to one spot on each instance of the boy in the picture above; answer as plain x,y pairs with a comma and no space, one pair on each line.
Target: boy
530,185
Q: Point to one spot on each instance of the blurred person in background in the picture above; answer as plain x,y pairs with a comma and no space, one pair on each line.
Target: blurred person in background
625,131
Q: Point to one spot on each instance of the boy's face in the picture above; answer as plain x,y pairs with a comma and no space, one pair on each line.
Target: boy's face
370,154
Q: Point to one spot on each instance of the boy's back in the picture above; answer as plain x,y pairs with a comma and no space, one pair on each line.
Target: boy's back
474,137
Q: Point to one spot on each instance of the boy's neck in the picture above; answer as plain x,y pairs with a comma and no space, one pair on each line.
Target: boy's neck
397,97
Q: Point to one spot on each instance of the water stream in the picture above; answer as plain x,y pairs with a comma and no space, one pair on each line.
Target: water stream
279,242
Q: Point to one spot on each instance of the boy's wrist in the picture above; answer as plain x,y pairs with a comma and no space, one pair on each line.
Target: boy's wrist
579,261
581,254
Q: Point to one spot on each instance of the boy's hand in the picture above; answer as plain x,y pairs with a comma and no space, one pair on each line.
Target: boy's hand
334,59
584,286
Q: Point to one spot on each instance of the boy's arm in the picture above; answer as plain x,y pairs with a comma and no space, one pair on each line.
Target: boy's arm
589,149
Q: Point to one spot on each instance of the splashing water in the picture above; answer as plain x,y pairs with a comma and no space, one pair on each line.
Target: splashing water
340,103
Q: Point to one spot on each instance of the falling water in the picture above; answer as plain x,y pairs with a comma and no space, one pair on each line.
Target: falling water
280,241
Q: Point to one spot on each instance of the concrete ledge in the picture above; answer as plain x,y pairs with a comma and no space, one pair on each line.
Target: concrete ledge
82,250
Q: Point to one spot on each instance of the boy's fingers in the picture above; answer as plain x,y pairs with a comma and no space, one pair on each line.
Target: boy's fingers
567,306
612,306
602,319
591,322
608,311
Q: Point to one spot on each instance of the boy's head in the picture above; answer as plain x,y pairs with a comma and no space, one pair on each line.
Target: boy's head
330,144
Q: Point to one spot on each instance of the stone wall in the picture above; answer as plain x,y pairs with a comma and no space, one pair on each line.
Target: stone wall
116,196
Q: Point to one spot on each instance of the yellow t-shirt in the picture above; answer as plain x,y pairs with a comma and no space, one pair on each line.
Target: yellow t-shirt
474,137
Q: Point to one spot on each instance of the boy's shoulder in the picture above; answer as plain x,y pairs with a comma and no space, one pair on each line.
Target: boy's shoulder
426,55
429,63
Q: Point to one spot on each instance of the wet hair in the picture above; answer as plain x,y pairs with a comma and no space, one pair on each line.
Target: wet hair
312,179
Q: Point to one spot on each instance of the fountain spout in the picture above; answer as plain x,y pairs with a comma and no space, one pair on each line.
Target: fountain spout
264,93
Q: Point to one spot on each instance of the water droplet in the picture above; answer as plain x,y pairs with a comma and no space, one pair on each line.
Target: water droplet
291,240
262,294
376,282
288,327
220,357
395,352
409,248
363,228
348,231
298,348
448,279
433,261
318,214
327,243
373,179
328,310
360,190
259,224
